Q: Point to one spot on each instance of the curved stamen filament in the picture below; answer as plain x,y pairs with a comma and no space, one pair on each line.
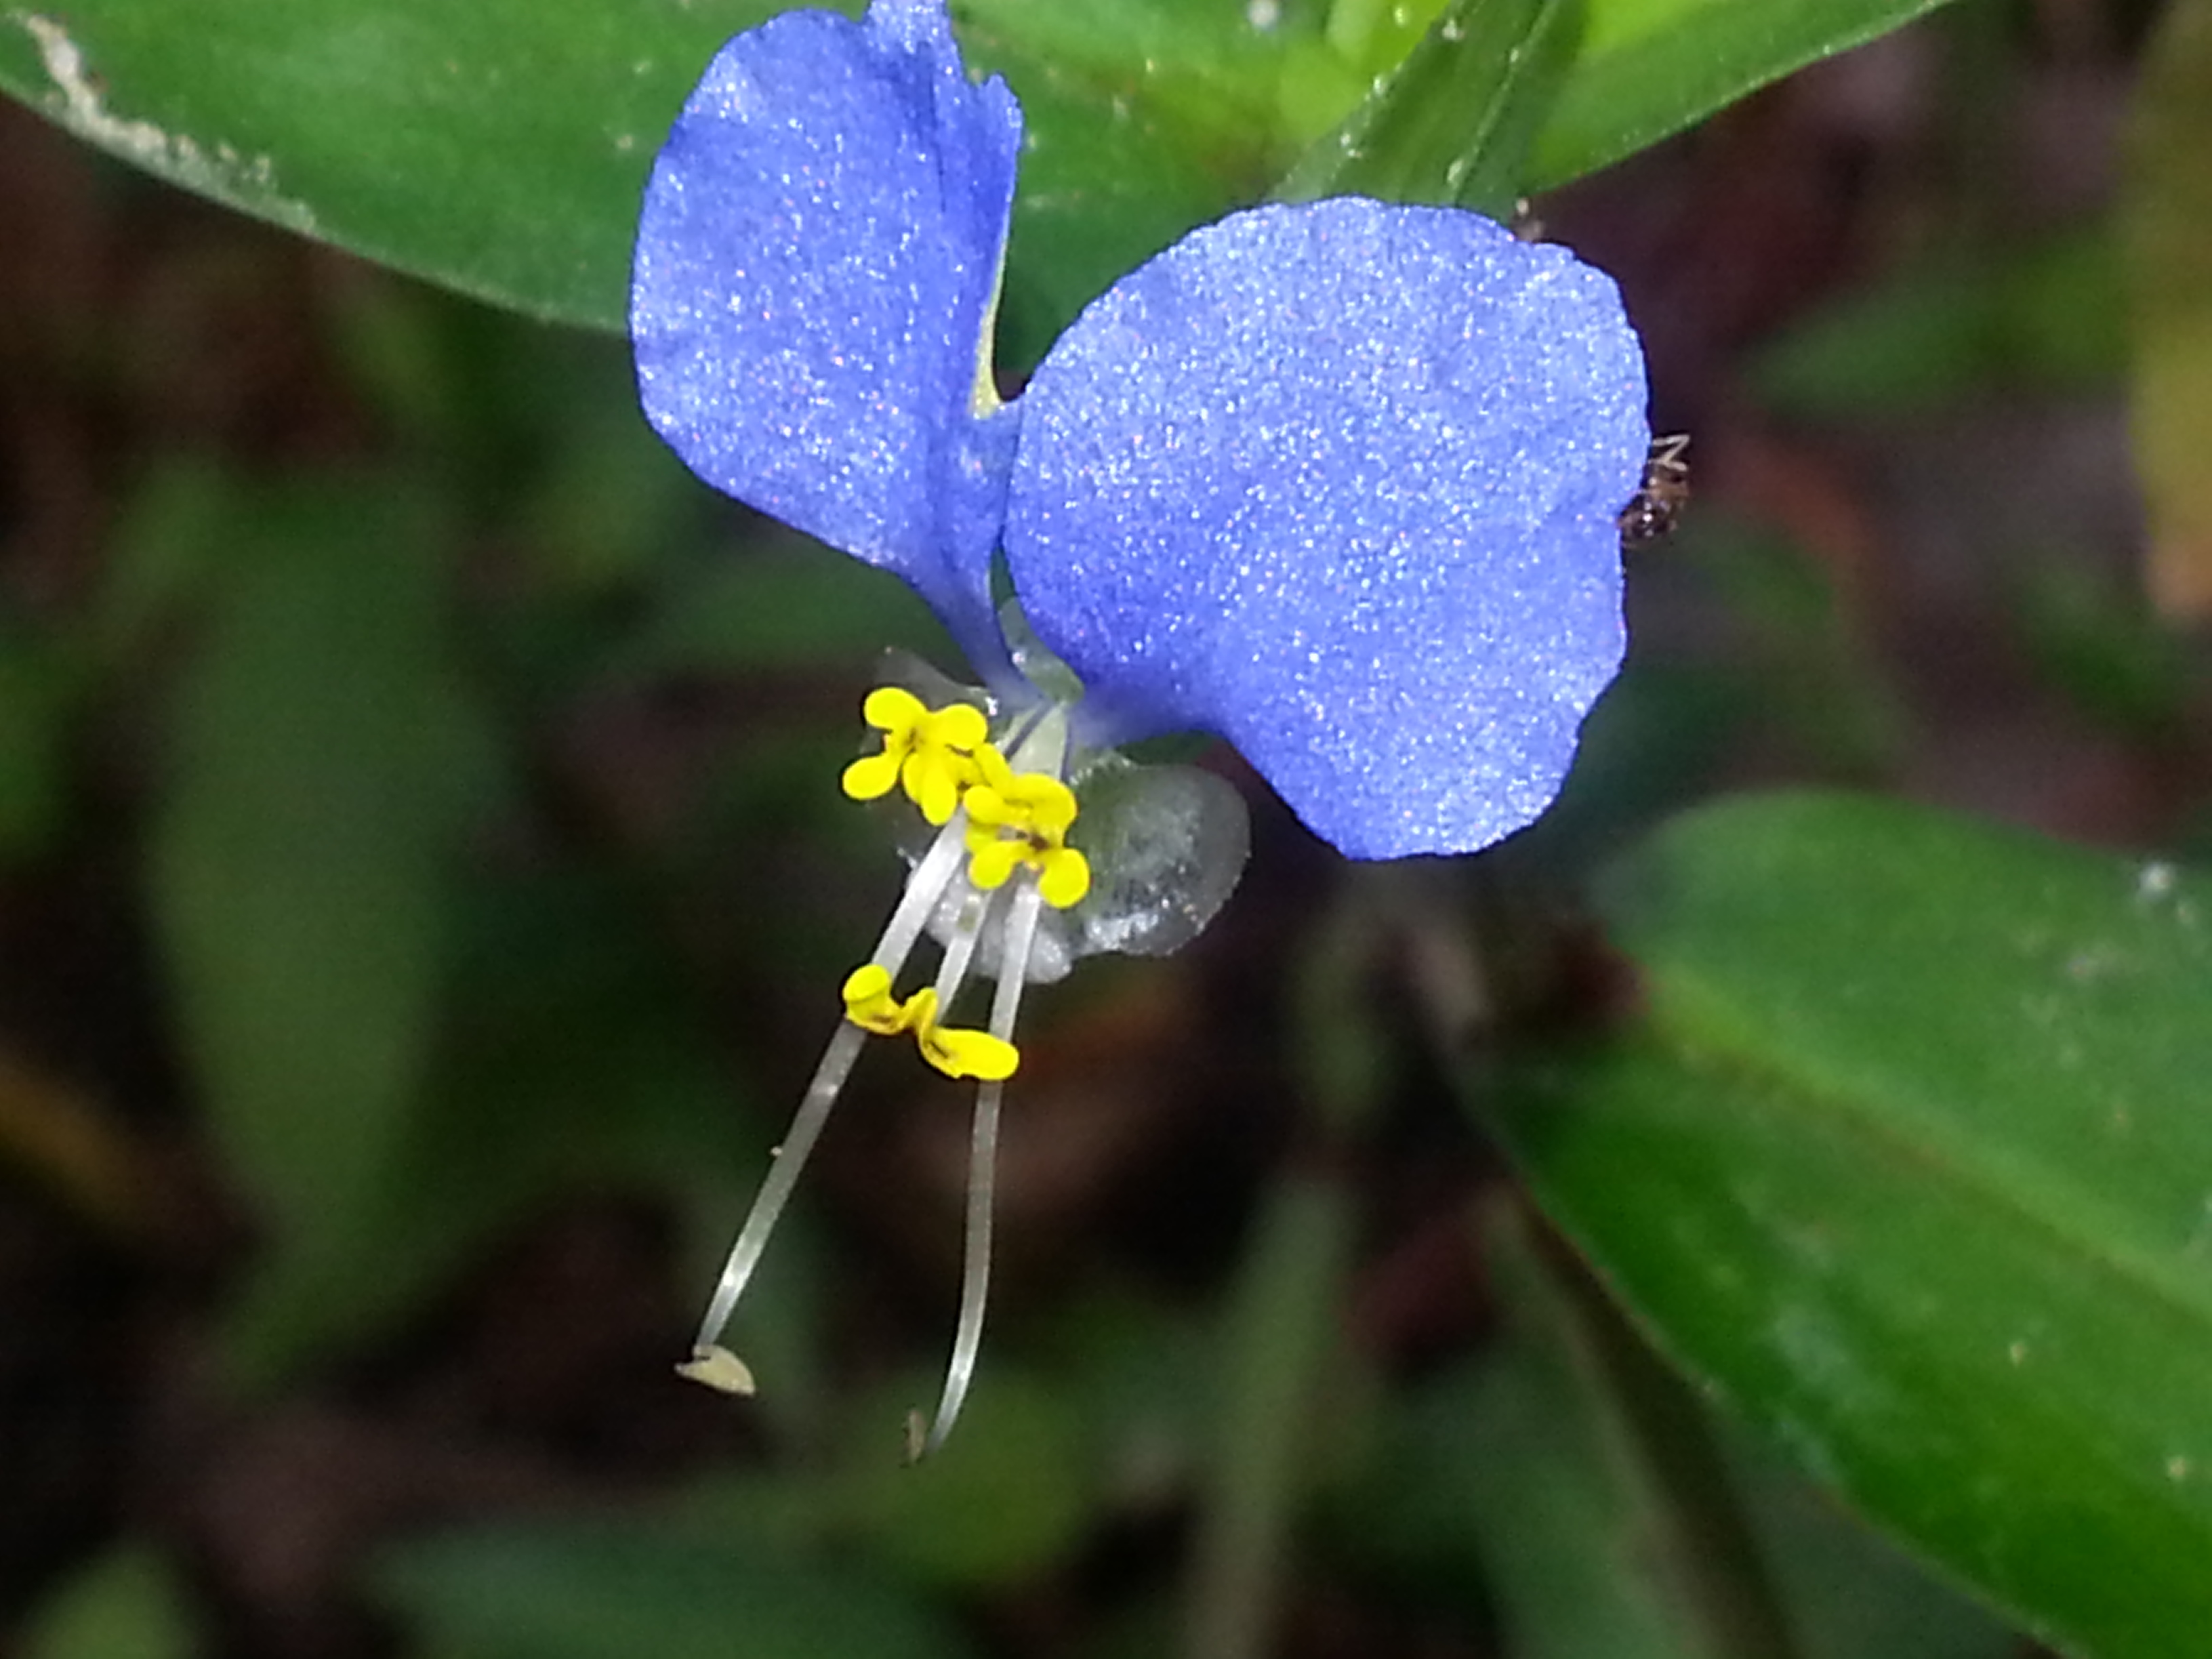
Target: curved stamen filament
1028,802
923,889
1014,947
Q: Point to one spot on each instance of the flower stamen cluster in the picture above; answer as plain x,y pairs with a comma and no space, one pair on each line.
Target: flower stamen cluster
1000,855
945,762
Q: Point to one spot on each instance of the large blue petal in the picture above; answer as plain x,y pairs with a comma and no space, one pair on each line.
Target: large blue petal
816,260
1339,481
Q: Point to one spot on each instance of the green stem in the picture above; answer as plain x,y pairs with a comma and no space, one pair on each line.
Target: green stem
1283,1325
1284,1322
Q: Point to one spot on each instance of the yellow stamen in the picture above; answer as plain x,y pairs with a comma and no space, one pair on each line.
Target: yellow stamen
962,1053
956,1051
930,753
870,1004
1023,819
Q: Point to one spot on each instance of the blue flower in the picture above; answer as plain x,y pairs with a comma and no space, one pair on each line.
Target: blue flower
1339,483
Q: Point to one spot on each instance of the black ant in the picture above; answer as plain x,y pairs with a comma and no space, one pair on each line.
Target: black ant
1658,502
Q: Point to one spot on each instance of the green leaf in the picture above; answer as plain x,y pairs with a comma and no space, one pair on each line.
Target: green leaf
1452,123
1908,1157
615,1592
1852,1594
1649,68
501,147
297,869
1142,118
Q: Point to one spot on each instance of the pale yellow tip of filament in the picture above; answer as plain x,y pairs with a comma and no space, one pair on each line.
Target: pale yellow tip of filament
718,1369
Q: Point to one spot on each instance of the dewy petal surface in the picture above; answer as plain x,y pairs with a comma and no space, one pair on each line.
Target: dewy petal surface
1339,482
815,265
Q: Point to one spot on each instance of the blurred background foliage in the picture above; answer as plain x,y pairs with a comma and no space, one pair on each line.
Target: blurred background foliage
422,882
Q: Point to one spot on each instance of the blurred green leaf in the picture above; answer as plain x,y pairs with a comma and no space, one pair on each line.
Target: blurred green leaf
127,1604
573,1057
2048,316
779,604
1007,1496
1792,658
1908,1157
1280,1334
40,682
2166,216
319,773
1649,68
1596,1488
1452,123
609,1592
1530,1474
2094,637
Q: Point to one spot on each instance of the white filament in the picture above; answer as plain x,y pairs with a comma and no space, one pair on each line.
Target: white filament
923,889
983,1169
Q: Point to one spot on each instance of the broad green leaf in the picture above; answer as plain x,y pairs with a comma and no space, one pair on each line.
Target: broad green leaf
1907,1155
1649,68
1452,123
1852,1594
2166,216
501,147
296,869
619,1591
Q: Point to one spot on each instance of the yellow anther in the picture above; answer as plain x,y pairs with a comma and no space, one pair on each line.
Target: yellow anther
930,753
870,1004
955,1051
961,1052
1023,818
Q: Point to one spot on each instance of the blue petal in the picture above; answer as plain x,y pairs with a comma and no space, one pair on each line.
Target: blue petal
815,266
1340,482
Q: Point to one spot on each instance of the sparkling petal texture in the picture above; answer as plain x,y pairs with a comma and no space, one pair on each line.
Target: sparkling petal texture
815,266
1339,481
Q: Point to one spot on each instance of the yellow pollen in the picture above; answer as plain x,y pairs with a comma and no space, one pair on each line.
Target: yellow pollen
956,1051
930,753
